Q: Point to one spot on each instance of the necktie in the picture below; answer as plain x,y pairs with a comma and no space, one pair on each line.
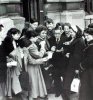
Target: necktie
57,40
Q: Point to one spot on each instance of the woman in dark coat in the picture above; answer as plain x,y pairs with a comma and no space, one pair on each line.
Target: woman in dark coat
4,51
10,41
75,49
86,88
9,44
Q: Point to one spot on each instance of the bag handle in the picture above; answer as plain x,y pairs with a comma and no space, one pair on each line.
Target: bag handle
77,75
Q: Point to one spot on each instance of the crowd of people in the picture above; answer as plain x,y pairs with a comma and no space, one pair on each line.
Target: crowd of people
51,56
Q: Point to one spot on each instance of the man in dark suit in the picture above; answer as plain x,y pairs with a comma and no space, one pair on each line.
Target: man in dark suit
59,60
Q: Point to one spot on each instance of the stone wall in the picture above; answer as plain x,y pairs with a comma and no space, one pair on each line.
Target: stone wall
71,11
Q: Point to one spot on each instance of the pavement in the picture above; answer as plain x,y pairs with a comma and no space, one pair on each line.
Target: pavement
52,97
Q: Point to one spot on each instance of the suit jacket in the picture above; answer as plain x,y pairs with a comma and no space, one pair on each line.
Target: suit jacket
59,45
59,60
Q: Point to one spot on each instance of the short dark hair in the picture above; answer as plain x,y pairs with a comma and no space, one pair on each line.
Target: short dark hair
24,42
48,20
59,24
30,33
67,24
33,20
40,28
12,31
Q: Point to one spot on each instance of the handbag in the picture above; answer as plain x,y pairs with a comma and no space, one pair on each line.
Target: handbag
75,84
24,79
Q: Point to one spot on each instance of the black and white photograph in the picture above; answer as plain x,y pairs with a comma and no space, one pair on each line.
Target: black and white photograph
46,49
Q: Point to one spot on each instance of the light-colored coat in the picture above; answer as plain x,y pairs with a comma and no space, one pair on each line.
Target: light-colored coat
14,72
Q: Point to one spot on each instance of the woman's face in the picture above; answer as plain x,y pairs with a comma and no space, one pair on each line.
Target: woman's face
66,29
50,26
43,34
73,34
16,36
88,37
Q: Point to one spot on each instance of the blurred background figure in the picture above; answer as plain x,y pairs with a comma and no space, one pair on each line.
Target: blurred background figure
86,88
75,48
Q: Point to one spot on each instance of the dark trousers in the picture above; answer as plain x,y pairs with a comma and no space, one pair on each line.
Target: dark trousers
57,74
69,76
